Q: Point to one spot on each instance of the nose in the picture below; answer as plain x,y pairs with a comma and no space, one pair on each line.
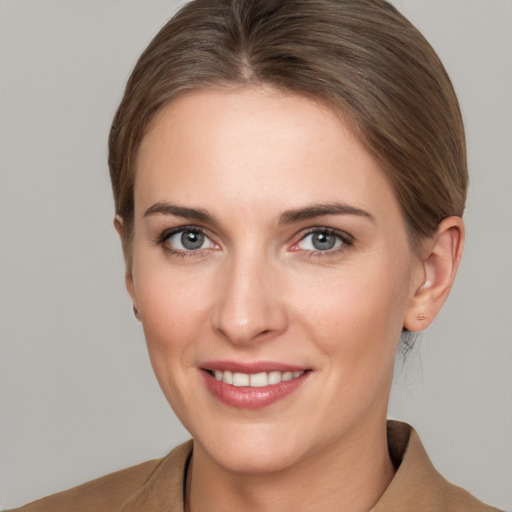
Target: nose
249,306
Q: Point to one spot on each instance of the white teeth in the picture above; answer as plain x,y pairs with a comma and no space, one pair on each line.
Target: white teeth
258,380
255,380
274,377
287,376
240,379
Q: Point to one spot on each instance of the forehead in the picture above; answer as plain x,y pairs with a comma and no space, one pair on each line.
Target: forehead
258,146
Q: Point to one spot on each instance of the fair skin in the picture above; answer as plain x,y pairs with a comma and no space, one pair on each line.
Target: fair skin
267,238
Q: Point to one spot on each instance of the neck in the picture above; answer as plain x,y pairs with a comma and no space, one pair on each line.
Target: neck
351,474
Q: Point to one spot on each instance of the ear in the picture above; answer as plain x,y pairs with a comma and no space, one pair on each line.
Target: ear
440,263
128,275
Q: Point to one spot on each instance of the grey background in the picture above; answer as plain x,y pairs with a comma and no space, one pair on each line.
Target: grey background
78,397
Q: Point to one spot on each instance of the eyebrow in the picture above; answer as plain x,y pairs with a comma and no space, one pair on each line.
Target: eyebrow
287,217
317,210
180,211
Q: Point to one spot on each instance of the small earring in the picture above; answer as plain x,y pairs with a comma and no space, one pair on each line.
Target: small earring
420,316
136,313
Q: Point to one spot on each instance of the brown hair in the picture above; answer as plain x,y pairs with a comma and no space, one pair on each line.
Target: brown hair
362,57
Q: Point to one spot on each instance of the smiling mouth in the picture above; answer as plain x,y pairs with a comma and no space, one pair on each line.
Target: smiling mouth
252,386
254,380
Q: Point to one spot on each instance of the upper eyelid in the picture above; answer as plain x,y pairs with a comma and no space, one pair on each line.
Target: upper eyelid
178,229
165,234
320,229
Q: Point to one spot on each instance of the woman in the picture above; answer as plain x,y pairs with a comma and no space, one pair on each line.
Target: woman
289,180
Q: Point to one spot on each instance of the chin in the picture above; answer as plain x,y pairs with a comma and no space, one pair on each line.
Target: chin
252,449
254,460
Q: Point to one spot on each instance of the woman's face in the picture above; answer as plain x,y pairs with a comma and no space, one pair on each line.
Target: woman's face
272,273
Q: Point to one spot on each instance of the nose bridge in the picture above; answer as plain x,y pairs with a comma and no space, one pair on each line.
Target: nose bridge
249,306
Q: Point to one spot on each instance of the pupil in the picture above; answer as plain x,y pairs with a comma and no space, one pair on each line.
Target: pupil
192,240
323,241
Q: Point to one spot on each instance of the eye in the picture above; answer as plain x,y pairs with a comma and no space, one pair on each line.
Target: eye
186,239
323,240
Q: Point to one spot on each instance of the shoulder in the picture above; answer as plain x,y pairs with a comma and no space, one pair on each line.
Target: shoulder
417,485
105,493
113,491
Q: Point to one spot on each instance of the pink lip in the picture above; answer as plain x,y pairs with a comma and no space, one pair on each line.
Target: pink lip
246,397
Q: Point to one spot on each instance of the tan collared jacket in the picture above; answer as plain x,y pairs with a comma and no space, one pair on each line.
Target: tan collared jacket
157,485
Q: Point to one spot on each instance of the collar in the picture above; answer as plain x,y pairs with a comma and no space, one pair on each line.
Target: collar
416,485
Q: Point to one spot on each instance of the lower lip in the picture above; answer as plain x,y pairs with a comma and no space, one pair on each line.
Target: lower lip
246,397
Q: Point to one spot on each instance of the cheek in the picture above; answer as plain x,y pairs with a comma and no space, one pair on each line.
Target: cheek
357,313
173,320
174,313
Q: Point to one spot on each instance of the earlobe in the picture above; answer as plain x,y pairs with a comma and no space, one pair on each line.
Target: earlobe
440,265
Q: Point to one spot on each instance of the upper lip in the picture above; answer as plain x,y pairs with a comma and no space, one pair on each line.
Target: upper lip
253,367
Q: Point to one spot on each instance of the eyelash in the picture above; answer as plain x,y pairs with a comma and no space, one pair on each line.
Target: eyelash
168,233
347,241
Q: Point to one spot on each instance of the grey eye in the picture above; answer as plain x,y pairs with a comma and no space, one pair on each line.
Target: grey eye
192,240
320,241
189,240
323,241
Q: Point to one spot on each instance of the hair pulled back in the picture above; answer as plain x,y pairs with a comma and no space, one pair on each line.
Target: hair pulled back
361,57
